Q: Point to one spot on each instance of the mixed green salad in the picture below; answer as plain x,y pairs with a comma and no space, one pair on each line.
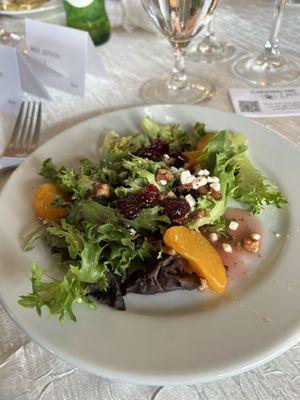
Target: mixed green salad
105,223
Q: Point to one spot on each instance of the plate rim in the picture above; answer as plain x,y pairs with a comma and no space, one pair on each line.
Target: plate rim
145,379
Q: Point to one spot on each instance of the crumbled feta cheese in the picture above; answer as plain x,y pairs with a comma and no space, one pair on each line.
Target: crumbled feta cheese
213,237
226,247
255,236
166,156
192,202
163,182
190,179
212,179
203,172
184,176
132,231
233,225
199,182
174,170
215,186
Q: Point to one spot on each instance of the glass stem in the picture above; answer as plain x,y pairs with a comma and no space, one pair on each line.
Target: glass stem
178,78
210,33
272,44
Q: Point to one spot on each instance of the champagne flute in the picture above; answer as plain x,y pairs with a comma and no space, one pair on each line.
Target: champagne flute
210,49
179,21
269,67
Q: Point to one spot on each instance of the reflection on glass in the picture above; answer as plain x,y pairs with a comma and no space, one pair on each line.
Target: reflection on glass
269,67
179,21
210,49
9,38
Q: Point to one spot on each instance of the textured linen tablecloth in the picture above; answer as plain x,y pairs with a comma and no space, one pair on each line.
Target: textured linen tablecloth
27,371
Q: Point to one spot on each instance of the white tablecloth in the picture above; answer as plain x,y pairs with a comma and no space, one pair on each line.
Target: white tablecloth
28,372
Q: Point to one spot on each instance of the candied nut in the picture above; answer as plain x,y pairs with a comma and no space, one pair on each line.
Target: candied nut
102,190
203,286
250,245
168,250
163,176
167,195
238,246
198,214
215,195
203,190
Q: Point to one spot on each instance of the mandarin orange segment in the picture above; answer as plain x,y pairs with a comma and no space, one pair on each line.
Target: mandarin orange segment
203,142
42,203
202,257
192,157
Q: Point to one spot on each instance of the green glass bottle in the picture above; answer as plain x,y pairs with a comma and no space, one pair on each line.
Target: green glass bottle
90,16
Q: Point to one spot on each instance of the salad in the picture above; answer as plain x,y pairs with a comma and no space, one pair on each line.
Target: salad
149,217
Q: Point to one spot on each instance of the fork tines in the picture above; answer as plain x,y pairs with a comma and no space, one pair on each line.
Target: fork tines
26,132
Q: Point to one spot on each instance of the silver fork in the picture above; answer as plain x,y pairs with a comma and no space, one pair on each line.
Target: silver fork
25,136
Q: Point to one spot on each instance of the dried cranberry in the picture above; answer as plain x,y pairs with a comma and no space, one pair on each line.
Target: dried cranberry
149,196
179,158
176,209
129,206
155,150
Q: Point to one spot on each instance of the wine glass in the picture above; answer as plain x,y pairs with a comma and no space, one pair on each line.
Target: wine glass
210,49
269,67
179,21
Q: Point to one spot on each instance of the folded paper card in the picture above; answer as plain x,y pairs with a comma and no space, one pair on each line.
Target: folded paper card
268,101
68,51
18,73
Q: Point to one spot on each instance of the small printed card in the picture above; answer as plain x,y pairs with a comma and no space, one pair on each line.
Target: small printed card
68,51
264,102
18,73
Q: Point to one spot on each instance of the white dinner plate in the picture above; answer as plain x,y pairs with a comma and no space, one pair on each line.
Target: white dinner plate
47,6
179,337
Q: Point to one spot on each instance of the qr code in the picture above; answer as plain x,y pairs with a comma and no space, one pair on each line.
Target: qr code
249,106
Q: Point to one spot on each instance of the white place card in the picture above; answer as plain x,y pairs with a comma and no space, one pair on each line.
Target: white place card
10,83
268,101
18,73
68,51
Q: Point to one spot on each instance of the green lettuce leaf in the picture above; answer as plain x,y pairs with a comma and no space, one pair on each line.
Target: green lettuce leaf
91,270
168,133
254,190
59,296
29,242
149,219
98,213
70,234
117,148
